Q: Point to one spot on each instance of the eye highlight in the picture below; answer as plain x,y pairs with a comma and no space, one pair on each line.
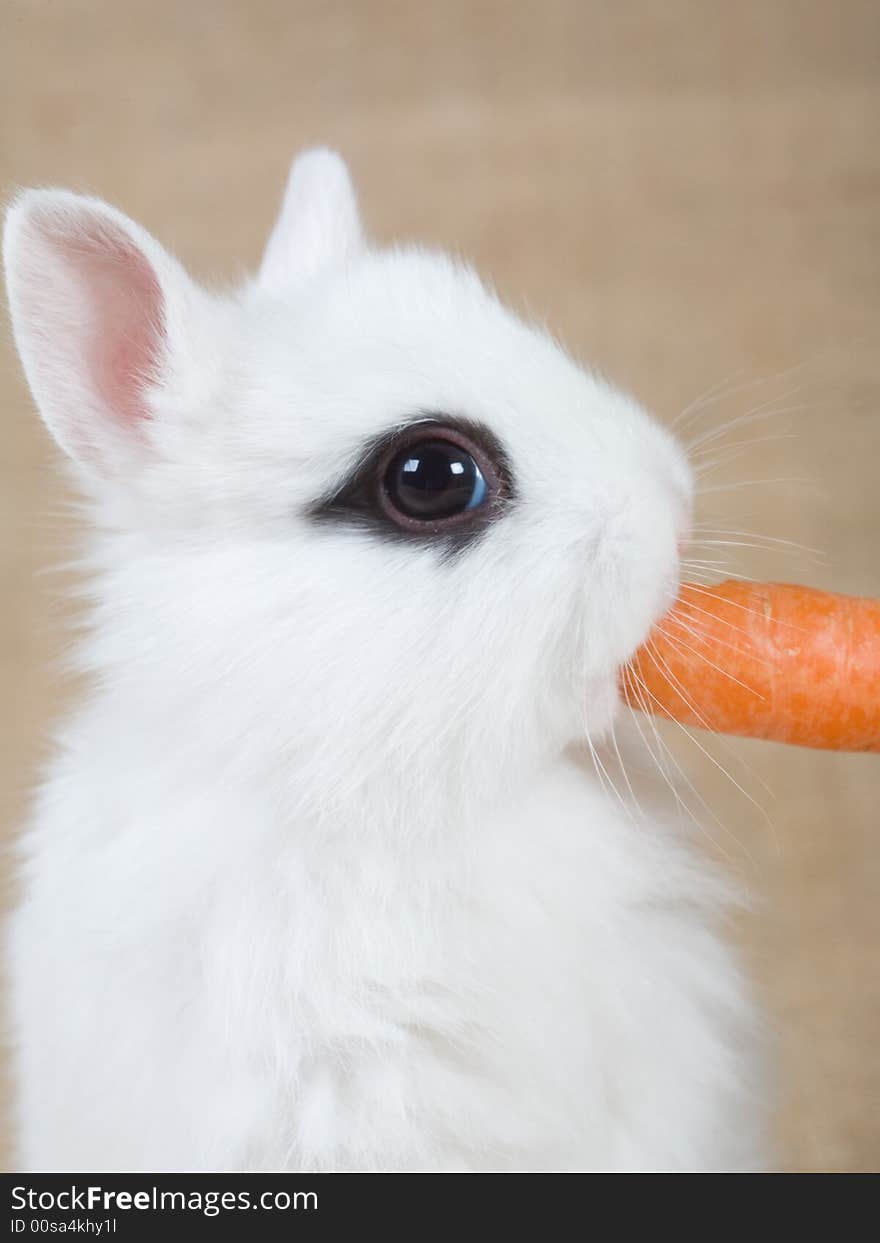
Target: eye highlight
431,479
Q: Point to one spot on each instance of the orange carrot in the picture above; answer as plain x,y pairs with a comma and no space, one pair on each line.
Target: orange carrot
767,660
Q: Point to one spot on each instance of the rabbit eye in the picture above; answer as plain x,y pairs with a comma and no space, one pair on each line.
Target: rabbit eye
431,479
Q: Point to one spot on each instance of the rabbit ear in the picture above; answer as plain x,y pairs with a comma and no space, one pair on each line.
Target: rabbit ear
319,224
100,314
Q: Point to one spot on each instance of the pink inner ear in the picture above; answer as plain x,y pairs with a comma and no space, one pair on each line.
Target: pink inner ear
125,329
89,292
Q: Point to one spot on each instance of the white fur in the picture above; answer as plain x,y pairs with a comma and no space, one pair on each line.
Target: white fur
319,879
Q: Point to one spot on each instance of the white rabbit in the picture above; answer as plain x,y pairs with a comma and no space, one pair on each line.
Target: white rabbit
319,878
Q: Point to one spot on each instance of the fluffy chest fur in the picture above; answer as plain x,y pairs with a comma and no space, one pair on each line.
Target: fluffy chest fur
534,988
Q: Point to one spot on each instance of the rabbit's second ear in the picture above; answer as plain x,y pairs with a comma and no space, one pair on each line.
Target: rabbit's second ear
318,225
101,315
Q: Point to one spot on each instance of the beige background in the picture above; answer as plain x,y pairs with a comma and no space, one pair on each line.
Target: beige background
688,192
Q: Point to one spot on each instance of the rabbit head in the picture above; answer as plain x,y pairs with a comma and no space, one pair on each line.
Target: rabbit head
355,521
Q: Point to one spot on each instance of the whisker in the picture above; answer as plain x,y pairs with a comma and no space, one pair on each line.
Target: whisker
767,541
729,388
702,656
625,773
763,547
777,621
710,570
746,444
753,483
767,410
654,652
701,634
725,388
704,468
636,687
707,753
682,604
641,687
603,771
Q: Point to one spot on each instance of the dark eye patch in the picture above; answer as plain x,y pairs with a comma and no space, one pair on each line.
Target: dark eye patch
437,480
